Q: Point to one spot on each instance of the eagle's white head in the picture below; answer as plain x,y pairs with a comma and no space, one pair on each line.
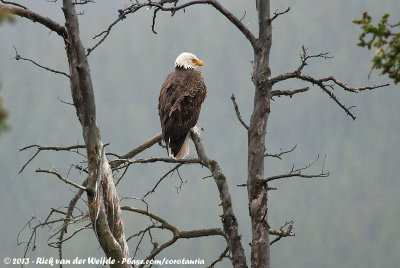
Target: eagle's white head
188,60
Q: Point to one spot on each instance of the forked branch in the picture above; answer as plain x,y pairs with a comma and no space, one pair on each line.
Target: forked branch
298,173
282,232
47,148
177,234
282,152
326,83
277,14
147,144
171,6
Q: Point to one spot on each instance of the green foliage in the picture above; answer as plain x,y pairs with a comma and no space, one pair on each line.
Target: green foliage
5,15
385,40
3,116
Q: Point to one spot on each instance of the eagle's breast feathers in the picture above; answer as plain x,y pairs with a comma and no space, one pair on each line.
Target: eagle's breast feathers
179,105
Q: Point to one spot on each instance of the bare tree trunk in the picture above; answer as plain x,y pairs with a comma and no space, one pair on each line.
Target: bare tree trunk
257,188
104,207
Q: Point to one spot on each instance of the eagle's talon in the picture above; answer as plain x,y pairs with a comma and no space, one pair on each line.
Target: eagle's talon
197,129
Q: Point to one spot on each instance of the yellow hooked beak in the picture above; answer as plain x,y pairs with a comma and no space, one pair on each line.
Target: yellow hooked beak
198,63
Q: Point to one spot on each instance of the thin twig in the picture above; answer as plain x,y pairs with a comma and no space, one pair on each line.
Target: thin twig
278,155
163,177
14,4
281,232
18,57
62,178
238,112
161,5
322,82
277,14
220,258
297,173
47,148
58,242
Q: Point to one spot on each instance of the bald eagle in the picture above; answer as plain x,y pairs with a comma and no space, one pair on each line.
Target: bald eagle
179,104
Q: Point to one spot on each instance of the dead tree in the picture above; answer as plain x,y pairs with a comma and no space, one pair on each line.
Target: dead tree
103,202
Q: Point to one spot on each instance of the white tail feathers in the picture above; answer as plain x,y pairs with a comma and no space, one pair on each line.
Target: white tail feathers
184,151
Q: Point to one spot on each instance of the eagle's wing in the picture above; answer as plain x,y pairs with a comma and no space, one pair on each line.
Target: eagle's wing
180,101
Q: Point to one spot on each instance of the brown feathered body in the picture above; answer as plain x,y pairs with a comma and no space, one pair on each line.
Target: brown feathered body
179,105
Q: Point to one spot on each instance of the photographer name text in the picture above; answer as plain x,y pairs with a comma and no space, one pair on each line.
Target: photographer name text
100,261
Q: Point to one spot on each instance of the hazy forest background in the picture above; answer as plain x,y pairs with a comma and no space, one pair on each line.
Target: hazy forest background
349,219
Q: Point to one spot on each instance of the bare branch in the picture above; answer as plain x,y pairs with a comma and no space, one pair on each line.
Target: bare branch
123,174
238,112
281,232
289,93
163,177
26,13
244,15
63,179
277,14
351,89
154,20
304,57
220,258
201,233
158,159
278,155
158,250
297,173
43,148
82,2
58,242
228,217
176,233
182,182
173,229
18,57
161,5
13,3
164,223
322,82
147,144
141,232
105,33
53,148
32,237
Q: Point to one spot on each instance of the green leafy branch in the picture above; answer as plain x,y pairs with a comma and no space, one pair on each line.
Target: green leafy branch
4,16
386,40
3,116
